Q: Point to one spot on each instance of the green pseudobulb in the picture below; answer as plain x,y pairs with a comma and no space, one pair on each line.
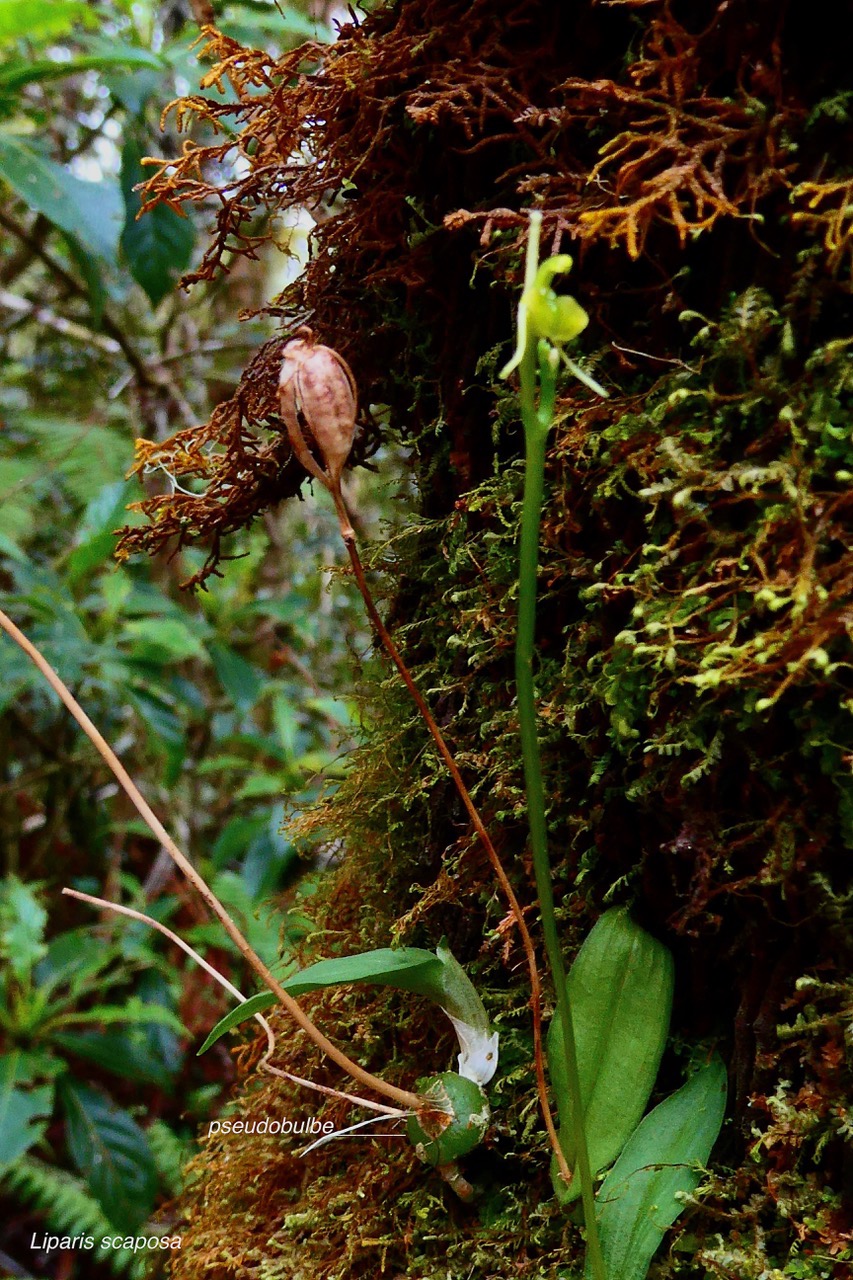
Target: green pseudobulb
454,1121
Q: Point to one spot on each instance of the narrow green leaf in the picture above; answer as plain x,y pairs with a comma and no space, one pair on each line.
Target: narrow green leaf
17,72
112,1153
407,968
404,968
439,977
640,1197
91,212
255,1004
158,245
134,1012
620,992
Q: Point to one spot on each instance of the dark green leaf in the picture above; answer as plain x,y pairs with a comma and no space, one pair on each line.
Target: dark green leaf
94,540
23,1112
242,682
158,244
112,1153
125,1053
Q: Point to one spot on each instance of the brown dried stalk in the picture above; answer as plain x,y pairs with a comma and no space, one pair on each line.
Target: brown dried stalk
318,401
401,1096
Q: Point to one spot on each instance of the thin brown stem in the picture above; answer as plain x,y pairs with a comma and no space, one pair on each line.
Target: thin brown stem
265,1064
391,649
402,1096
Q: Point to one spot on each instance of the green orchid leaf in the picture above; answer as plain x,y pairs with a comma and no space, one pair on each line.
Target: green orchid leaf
620,994
255,1004
642,1194
438,976
406,968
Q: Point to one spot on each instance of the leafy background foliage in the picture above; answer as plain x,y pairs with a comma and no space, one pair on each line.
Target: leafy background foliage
226,707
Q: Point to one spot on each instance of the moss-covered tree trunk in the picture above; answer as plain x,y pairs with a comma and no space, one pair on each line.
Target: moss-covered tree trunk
695,588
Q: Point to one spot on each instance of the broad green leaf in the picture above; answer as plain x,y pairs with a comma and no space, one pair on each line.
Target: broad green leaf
23,1112
94,540
237,833
620,993
40,19
74,965
158,244
22,924
242,682
91,212
112,1153
639,1198
124,1052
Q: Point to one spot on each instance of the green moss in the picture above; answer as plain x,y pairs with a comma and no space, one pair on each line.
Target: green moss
695,593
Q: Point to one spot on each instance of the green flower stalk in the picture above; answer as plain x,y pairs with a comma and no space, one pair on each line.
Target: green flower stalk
545,321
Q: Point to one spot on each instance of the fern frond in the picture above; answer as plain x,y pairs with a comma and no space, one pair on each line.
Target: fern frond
171,1154
69,1209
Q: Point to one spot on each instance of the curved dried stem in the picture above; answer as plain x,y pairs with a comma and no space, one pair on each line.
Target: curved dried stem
401,1096
264,1064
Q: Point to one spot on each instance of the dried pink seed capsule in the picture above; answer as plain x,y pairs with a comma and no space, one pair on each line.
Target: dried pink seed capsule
318,400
